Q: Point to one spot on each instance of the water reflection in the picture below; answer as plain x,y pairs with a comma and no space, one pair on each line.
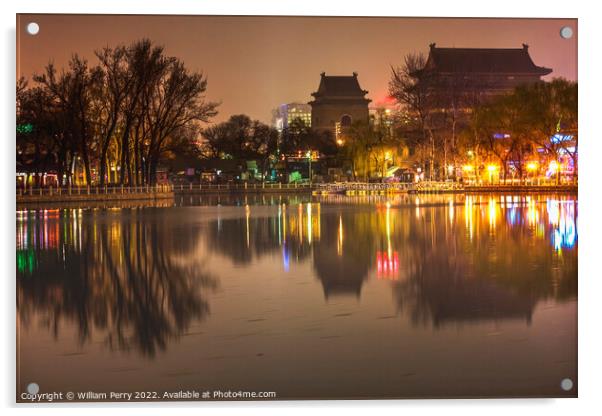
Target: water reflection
496,264
436,249
140,276
239,199
119,274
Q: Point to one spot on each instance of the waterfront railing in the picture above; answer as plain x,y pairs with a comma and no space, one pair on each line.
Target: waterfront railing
336,187
93,190
156,189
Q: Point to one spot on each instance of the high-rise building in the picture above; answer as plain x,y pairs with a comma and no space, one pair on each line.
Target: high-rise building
286,113
384,115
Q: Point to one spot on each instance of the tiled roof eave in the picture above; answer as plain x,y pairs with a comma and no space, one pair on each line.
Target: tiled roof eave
339,99
534,71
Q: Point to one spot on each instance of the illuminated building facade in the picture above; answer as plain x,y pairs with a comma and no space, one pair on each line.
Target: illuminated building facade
286,113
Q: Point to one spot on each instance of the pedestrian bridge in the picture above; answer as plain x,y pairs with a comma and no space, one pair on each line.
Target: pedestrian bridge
364,188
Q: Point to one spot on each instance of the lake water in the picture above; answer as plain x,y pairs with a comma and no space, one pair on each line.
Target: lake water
334,297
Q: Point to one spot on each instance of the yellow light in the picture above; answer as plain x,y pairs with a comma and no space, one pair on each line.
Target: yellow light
491,168
340,142
553,167
532,166
468,168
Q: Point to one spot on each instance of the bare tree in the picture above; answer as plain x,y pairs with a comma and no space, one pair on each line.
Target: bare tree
116,83
71,91
175,102
412,87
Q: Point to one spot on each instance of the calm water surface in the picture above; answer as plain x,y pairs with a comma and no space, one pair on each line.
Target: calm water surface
338,297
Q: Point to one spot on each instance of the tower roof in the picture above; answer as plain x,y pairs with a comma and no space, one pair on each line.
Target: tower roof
339,86
483,60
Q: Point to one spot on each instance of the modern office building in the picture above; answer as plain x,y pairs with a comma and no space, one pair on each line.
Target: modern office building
286,113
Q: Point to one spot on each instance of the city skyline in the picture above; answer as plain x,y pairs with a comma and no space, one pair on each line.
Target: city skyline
251,60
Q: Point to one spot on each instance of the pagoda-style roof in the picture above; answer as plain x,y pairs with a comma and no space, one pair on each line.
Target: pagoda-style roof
483,60
339,86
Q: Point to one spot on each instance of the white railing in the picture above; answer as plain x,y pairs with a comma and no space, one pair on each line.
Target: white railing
337,187
434,186
153,189
240,186
94,190
364,186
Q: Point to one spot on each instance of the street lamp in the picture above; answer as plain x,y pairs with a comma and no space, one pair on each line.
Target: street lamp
308,154
532,166
450,170
491,169
554,169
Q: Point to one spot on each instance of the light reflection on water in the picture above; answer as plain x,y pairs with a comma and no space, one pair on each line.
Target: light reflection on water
138,282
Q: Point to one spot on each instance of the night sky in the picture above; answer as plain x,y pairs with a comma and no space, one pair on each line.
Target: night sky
253,64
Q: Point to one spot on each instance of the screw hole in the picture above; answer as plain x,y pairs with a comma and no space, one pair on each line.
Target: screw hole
566,32
33,388
566,384
33,28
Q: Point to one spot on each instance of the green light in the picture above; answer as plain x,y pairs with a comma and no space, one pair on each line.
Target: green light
24,128
26,261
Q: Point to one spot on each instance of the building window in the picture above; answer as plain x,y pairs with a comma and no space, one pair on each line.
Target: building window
346,120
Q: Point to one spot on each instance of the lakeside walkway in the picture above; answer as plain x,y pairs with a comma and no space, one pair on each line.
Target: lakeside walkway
94,193
162,192
156,192
362,188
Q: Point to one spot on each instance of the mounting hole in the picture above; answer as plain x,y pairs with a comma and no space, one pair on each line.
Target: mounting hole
33,28
33,388
566,384
566,32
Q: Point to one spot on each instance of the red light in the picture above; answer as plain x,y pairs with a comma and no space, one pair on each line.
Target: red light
387,267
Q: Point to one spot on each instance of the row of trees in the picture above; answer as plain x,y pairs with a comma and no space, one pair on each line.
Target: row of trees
513,127
243,139
448,119
371,146
117,117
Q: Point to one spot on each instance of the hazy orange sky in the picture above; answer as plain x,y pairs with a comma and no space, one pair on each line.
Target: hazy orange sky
255,63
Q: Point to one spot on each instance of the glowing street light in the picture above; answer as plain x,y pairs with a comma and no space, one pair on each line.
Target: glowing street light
308,155
532,167
491,169
554,170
